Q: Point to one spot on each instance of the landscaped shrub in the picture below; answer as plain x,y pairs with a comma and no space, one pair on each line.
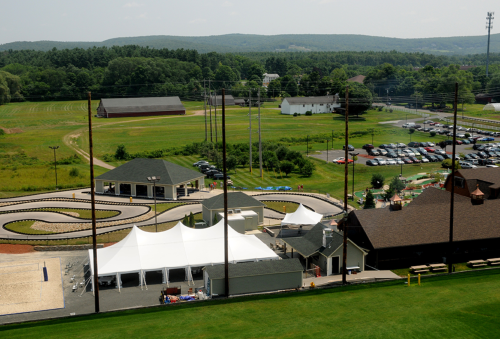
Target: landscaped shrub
432,134
74,172
295,114
377,180
309,113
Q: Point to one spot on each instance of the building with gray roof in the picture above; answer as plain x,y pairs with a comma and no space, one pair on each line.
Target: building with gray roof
254,277
131,179
135,107
237,202
301,105
217,100
323,247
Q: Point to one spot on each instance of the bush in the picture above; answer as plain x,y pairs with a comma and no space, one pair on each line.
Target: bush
307,168
74,172
447,164
295,114
309,113
433,134
370,201
377,180
121,153
467,135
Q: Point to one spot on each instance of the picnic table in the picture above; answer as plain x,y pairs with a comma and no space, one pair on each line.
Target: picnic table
494,261
437,267
419,269
477,263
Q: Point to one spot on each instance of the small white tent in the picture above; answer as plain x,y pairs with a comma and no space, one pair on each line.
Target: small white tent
492,107
178,247
302,216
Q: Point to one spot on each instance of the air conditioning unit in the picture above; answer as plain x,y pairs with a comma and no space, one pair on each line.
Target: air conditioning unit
230,212
237,210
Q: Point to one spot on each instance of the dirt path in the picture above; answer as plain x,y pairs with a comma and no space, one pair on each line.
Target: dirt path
70,138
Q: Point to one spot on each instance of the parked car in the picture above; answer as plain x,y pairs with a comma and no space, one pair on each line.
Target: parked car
220,176
374,152
432,158
391,162
458,142
424,144
466,165
391,155
400,162
382,152
439,151
465,141
383,146
409,153
381,161
368,147
200,162
473,156
371,162
349,147
414,144
401,145
392,146
415,160
342,161
439,157
430,149
422,151
425,160
407,161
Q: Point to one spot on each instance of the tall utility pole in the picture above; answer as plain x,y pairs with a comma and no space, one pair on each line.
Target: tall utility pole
260,138
55,160
452,198
211,101
307,145
250,125
489,26
346,157
95,278
215,116
226,245
205,107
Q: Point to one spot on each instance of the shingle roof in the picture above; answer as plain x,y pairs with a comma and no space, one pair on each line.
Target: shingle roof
484,177
249,269
139,169
135,105
229,100
312,242
426,221
311,100
234,200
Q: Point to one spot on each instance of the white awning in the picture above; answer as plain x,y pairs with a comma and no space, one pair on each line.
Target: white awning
492,107
302,216
178,247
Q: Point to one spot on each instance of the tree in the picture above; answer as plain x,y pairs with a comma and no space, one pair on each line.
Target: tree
191,219
433,134
397,185
216,220
231,163
307,168
185,221
370,201
360,98
224,77
410,132
377,180
447,164
121,153
287,167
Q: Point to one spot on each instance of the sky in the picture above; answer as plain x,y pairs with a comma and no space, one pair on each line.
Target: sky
98,20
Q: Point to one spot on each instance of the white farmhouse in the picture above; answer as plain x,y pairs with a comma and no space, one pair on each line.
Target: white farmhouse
268,78
326,104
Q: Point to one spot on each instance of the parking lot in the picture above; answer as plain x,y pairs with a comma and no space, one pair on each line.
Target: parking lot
381,154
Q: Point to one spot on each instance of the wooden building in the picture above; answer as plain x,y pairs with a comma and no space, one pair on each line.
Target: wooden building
136,107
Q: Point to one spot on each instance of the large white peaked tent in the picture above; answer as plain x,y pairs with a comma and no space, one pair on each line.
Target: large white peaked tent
178,247
302,216
492,107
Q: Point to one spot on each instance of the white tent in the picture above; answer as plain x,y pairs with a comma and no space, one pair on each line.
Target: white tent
302,216
492,107
178,247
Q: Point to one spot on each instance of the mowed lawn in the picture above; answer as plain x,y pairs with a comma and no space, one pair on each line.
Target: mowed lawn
462,306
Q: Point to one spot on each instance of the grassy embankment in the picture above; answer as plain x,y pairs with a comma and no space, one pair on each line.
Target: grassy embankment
459,306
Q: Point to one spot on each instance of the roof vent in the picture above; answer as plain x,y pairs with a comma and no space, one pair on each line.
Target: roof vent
237,210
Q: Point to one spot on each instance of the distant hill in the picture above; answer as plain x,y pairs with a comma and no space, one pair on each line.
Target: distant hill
291,42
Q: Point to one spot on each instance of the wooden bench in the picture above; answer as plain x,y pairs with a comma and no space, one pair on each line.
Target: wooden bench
495,261
438,267
419,269
477,263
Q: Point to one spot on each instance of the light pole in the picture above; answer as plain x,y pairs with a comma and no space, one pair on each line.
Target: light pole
307,146
353,155
154,180
327,151
55,161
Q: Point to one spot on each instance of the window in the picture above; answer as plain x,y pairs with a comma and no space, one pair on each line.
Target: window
321,104
459,182
303,105
312,105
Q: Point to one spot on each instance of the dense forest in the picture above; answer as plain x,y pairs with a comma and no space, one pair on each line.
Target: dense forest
142,71
240,43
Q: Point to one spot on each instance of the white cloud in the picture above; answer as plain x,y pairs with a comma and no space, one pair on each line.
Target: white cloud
132,4
227,4
233,13
198,21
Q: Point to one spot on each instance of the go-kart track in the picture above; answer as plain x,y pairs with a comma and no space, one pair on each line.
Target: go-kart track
137,213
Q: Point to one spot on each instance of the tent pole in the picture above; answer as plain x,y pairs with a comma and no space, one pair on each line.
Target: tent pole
167,276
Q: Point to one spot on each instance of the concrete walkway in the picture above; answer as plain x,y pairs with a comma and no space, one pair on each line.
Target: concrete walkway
360,277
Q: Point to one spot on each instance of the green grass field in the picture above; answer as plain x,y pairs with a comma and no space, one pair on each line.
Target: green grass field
27,160
461,306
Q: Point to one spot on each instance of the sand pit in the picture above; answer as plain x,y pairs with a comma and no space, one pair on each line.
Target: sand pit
23,289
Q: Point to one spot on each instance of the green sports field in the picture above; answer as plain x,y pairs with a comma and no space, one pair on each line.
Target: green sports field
462,306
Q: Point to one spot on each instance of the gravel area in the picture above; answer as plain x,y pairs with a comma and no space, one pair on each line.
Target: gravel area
69,227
